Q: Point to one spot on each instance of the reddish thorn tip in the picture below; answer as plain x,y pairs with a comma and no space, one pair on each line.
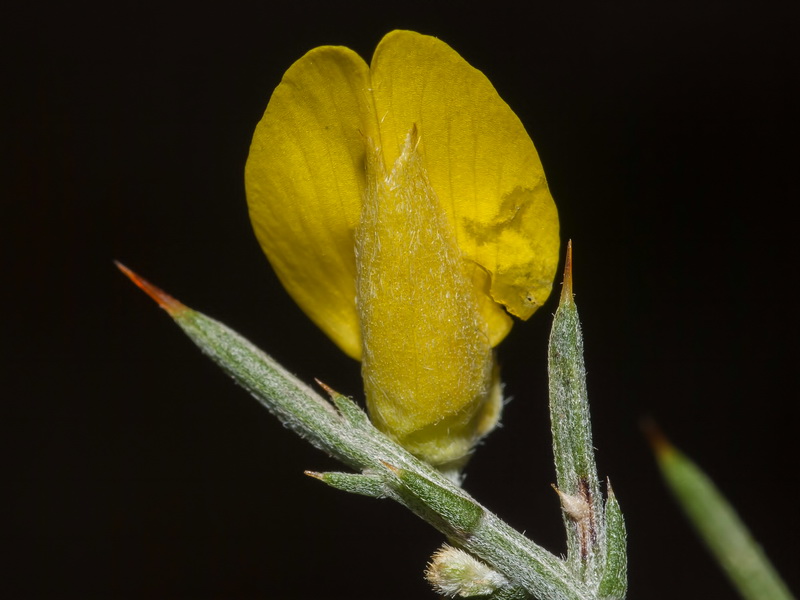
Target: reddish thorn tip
164,300
329,390
566,288
391,467
658,441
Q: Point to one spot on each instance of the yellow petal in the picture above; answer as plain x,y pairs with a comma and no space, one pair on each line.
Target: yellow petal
427,363
305,180
481,162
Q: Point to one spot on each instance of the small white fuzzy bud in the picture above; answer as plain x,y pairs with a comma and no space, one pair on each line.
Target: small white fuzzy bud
454,573
576,506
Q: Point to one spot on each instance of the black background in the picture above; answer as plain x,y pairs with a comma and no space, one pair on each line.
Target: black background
135,469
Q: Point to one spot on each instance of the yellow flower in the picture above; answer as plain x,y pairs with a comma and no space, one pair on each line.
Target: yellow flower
404,208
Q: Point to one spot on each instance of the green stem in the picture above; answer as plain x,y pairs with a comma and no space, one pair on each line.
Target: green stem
383,468
724,533
596,540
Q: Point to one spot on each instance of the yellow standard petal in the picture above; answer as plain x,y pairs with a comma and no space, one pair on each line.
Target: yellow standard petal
427,363
481,162
305,181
